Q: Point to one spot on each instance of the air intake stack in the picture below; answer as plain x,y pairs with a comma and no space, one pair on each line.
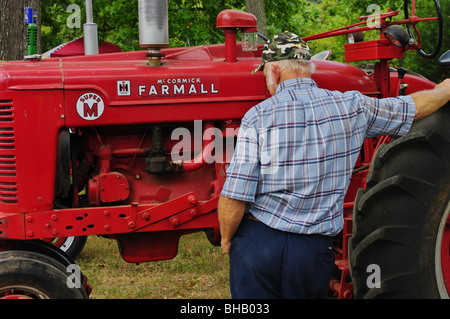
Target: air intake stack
153,28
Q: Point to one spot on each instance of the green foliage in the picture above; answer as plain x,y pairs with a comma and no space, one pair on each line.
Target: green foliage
117,22
192,22
283,15
428,33
319,17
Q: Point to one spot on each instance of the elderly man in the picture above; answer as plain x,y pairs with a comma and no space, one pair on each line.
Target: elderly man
283,198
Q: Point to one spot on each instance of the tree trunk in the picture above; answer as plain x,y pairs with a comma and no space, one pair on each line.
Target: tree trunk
13,31
257,7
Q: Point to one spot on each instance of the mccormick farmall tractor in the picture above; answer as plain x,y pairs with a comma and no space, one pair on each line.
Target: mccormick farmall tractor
134,147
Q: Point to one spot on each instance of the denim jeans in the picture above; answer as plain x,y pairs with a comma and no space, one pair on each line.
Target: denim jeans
267,263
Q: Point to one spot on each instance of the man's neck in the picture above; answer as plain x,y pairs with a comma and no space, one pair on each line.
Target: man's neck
289,75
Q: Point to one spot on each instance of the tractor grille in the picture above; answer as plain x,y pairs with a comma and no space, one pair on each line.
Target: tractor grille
8,170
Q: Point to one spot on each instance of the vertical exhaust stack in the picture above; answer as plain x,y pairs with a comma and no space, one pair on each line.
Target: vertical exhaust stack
153,28
90,31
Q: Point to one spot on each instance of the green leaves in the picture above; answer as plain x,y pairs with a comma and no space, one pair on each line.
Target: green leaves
193,22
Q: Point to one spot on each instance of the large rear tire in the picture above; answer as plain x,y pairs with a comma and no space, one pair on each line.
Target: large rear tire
400,221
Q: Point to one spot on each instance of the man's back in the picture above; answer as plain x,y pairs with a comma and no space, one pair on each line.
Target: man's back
302,145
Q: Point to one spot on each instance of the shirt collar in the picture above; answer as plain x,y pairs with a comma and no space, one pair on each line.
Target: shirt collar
297,83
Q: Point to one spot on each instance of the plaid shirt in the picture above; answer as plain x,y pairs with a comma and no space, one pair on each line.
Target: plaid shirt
295,153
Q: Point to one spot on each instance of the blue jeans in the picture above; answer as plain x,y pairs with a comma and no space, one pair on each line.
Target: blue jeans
266,263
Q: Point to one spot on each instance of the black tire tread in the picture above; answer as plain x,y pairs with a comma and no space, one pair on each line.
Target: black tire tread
395,217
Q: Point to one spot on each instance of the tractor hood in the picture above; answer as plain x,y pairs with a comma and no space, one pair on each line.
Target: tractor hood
21,75
191,83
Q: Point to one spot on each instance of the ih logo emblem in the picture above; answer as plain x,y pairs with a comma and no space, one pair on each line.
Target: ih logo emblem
123,88
90,106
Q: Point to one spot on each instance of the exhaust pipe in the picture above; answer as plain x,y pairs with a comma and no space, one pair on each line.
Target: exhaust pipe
90,31
153,28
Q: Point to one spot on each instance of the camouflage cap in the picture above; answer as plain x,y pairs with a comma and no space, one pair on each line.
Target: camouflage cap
282,47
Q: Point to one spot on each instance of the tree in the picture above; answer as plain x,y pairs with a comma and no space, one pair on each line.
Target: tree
13,31
193,22
257,7
117,22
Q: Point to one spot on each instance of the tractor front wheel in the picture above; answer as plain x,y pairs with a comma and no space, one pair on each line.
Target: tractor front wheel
400,245
31,275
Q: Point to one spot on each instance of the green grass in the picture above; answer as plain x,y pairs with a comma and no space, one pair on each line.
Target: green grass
200,271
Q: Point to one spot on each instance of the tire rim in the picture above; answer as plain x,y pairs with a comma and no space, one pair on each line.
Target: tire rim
63,243
442,255
21,292
67,243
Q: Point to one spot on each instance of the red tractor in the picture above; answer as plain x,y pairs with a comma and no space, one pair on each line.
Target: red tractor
134,147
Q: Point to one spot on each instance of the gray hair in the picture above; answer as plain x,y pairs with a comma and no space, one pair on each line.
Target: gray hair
301,66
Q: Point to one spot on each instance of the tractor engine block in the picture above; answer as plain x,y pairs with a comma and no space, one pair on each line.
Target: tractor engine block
111,172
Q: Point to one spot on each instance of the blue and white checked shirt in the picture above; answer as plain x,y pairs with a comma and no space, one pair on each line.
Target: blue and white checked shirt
295,153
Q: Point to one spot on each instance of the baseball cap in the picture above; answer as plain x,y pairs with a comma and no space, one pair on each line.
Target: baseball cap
282,47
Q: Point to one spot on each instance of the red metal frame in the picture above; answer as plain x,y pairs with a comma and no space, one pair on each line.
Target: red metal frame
109,103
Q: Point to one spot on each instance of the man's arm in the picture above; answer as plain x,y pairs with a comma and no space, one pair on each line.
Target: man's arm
230,213
429,101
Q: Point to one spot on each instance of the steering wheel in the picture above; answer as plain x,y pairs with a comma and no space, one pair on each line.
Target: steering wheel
412,26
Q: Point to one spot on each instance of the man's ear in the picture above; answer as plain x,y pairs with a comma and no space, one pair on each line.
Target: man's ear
276,71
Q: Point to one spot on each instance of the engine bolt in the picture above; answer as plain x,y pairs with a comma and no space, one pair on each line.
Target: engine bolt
192,200
131,225
29,219
106,227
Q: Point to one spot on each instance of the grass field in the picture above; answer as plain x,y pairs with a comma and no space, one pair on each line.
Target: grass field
200,271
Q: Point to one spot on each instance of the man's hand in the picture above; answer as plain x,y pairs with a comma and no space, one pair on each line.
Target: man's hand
225,246
230,213
429,101
444,84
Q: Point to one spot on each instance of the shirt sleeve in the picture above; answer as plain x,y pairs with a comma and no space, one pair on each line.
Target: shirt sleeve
389,116
243,171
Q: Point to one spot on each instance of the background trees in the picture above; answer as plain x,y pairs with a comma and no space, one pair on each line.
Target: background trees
192,22
13,32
